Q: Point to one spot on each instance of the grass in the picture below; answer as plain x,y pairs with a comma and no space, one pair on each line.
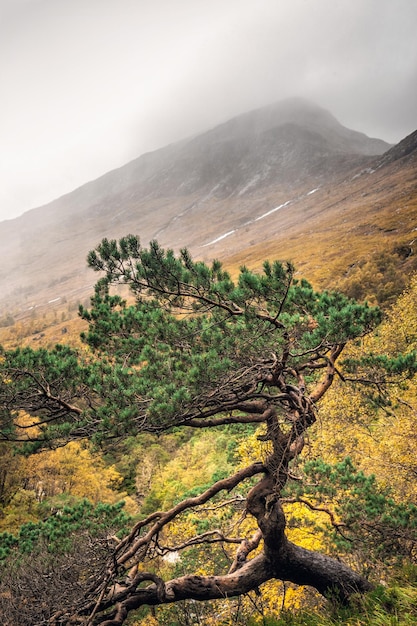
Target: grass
334,229
385,606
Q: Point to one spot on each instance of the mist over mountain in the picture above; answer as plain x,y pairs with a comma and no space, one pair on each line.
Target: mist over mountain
236,182
280,143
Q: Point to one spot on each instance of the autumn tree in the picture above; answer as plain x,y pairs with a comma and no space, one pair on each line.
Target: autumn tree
195,350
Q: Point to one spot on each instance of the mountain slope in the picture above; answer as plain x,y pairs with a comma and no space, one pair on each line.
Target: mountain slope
328,234
252,173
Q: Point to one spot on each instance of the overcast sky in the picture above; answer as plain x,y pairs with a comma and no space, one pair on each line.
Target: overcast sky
88,85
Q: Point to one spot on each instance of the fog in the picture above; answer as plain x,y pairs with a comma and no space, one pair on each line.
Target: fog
90,84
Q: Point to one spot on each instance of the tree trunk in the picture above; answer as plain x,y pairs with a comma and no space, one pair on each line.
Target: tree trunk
191,587
287,561
331,578
280,559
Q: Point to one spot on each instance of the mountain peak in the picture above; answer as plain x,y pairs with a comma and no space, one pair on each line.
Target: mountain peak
305,114
294,110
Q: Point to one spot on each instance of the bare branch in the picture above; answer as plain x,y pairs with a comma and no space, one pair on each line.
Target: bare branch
246,547
211,536
131,544
313,507
328,377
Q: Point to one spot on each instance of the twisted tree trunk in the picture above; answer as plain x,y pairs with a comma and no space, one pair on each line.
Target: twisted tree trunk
285,562
280,559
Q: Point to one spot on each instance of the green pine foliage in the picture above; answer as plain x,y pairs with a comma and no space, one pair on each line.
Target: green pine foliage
188,347
59,531
192,337
367,520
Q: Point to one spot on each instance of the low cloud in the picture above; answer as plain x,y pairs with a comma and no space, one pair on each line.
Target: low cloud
91,84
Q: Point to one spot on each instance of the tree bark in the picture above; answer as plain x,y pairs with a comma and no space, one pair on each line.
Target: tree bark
280,559
289,562
191,587
330,577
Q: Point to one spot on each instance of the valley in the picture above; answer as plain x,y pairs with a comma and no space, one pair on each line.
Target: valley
197,441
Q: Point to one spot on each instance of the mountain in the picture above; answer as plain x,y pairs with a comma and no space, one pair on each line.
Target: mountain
405,151
366,218
249,184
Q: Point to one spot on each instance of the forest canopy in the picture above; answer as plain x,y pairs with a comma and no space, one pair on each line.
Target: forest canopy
191,351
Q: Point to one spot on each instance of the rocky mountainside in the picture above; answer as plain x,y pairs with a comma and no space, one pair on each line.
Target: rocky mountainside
251,179
403,152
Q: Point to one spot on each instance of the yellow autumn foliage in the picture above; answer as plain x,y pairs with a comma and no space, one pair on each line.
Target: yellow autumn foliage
72,470
75,470
193,465
383,441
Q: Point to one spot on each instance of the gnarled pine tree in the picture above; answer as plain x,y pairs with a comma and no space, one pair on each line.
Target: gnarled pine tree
194,350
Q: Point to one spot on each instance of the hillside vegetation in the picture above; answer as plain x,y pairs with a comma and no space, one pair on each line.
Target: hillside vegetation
359,236
203,441
349,493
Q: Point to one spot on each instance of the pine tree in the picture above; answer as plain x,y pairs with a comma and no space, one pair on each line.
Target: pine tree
194,350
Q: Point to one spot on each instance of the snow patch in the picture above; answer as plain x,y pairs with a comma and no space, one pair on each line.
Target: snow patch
260,217
250,184
367,170
219,238
277,208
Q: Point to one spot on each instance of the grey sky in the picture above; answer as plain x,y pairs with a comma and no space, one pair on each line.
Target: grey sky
88,85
